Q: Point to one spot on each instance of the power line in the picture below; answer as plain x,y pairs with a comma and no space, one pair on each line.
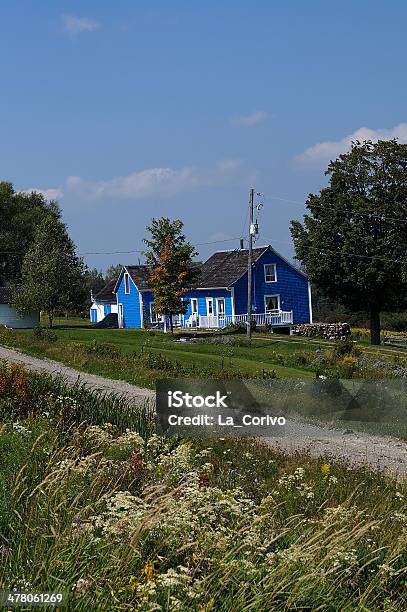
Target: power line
363,214
16,253
339,252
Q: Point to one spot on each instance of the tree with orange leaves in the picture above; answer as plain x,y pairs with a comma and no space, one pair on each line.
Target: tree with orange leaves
172,269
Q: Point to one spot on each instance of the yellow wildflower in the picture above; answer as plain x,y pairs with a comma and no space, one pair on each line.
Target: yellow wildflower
133,583
148,571
208,606
325,469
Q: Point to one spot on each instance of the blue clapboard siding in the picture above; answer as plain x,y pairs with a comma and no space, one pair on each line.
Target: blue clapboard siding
131,304
291,286
202,294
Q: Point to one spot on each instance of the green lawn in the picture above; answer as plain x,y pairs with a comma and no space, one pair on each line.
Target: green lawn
257,360
142,356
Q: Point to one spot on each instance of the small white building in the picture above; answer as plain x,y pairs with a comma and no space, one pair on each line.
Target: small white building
10,317
103,303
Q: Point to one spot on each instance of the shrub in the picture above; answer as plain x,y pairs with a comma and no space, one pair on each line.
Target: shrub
103,349
343,347
235,328
44,334
156,361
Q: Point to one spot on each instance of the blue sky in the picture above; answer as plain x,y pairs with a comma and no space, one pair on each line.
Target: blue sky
128,110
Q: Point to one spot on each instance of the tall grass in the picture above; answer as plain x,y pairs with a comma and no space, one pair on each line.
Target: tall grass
121,520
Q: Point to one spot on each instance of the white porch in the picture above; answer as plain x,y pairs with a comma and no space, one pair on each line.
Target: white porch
273,318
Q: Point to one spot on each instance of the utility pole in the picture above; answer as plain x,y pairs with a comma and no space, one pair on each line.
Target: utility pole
249,266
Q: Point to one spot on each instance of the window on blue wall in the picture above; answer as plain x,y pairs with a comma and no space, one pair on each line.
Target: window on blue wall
270,273
126,283
272,303
154,317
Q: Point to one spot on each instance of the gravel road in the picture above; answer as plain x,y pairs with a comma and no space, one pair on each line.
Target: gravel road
93,381
376,452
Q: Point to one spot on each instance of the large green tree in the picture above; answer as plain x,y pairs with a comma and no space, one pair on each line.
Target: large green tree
172,269
52,276
20,214
353,241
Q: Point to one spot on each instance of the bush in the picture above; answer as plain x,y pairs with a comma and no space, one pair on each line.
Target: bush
102,349
44,334
343,347
156,361
235,328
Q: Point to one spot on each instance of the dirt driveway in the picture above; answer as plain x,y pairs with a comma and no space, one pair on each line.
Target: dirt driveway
379,453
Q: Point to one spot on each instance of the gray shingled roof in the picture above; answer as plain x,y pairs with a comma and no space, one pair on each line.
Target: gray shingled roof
222,269
106,294
140,275
5,293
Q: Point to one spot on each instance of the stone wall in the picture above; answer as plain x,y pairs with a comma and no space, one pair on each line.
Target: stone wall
330,331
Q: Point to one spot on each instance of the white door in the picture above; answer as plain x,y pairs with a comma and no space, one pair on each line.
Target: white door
209,307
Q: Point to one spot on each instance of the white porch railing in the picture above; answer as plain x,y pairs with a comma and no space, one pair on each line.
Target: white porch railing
273,318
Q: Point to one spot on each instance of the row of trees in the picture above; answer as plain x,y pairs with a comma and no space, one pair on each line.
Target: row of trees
38,258
352,243
39,261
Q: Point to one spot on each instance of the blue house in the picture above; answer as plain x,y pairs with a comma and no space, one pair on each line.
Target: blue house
281,294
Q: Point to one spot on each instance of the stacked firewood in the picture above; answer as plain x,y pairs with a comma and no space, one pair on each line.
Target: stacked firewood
330,331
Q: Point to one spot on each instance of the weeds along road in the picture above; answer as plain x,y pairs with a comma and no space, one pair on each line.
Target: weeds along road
376,452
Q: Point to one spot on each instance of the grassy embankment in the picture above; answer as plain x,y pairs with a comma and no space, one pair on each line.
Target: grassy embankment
121,519
142,356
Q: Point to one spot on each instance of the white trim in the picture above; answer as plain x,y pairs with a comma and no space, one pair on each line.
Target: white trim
119,280
275,272
194,299
126,277
232,299
277,295
120,315
210,299
310,302
220,299
141,312
156,318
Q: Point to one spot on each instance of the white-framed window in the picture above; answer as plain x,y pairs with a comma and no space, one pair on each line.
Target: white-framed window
271,303
270,273
220,305
126,283
209,306
154,317
194,306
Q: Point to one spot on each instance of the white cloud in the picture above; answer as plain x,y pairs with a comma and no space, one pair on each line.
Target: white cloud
323,152
145,183
49,194
150,182
76,25
249,120
228,165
